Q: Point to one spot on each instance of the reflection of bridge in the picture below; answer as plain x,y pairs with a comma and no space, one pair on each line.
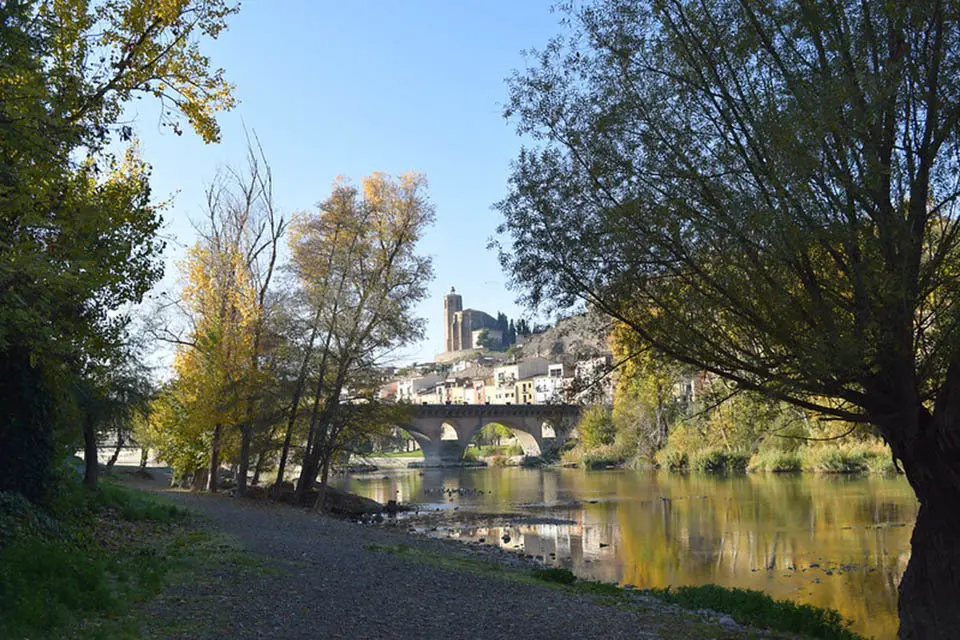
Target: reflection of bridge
538,427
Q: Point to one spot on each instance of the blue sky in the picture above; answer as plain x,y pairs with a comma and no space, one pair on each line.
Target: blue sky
348,88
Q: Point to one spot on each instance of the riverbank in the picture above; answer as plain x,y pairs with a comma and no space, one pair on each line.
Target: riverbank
322,577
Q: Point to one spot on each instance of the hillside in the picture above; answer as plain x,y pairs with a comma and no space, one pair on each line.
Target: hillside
575,338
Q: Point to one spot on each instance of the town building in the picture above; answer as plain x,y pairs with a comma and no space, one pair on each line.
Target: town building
410,389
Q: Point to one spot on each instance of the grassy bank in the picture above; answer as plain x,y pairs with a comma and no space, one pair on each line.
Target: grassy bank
746,607
856,457
82,564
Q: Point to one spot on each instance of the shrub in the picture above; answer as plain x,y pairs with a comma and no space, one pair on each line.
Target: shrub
719,461
596,427
673,459
601,457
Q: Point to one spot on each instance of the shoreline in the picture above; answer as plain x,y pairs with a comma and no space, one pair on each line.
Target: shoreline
359,549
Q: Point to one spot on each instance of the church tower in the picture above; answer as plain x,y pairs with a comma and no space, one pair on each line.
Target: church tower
452,303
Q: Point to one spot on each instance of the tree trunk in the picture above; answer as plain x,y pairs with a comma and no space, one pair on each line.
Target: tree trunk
91,466
322,490
930,588
215,460
295,404
144,457
245,437
258,467
116,452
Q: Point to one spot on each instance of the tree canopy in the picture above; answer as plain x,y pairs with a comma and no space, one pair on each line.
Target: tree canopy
78,229
766,191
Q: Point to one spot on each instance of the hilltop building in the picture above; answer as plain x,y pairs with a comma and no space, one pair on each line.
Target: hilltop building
462,328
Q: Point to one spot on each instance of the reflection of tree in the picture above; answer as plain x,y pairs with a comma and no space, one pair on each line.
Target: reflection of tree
764,532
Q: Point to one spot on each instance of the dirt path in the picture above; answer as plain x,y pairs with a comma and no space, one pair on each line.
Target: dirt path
309,576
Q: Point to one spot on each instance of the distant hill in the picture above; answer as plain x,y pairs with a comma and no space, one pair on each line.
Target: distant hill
575,338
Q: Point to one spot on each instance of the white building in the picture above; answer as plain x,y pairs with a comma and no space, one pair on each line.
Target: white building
594,380
409,388
508,374
551,388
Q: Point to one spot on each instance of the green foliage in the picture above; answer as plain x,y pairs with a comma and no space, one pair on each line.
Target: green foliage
596,427
719,461
673,459
135,506
54,569
775,461
837,459
602,457
78,227
760,610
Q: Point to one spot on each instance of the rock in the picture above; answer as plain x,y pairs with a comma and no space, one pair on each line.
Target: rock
728,622
342,503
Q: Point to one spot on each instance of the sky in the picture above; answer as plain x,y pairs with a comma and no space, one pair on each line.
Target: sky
349,88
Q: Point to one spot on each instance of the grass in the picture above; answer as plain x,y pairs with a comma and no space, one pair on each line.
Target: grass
776,461
747,607
719,461
79,565
857,457
673,459
755,608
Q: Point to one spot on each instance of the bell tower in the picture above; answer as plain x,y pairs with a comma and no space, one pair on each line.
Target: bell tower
452,303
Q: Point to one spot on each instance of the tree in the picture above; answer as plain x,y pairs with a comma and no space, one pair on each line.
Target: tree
78,237
485,340
357,263
767,191
226,306
596,427
643,402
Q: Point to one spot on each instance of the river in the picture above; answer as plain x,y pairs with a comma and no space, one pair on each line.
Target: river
834,541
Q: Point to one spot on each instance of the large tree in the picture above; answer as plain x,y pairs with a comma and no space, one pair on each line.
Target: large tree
78,237
359,271
767,191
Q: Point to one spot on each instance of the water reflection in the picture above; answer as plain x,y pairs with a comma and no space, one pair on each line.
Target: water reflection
839,542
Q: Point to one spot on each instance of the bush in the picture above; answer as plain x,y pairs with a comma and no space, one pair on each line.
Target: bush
596,427
719,461
673,459
775,461
602,457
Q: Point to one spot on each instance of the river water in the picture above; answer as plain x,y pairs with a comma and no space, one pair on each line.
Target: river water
834,541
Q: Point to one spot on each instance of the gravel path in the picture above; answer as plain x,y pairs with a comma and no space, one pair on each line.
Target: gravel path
323,581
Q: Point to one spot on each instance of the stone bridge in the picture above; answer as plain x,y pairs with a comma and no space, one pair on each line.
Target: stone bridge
538,428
